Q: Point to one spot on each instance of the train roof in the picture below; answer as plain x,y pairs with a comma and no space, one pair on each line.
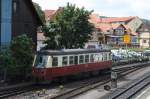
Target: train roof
71,51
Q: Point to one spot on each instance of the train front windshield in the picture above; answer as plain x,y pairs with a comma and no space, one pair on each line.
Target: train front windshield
40,61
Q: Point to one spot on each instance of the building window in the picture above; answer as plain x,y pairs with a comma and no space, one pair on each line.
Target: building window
55,62
119,31
15,7
144,41
120,39
134,39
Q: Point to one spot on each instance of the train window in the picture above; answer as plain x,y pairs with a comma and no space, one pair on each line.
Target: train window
55,62
75,59
108,56
64,60
100,57
71,60
41,61
81,59
105,56
91,58
86,58
96,58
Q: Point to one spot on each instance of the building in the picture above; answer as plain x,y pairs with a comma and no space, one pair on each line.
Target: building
50,14
144,35
133,23
113,35
112,30
17,17
40,41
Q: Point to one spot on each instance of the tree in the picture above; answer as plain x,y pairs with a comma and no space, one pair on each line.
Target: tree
6,64
69,29
40,12
51,31
22,52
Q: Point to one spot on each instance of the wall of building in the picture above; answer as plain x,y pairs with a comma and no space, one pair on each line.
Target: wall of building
6,15
40,45
144,39
24,21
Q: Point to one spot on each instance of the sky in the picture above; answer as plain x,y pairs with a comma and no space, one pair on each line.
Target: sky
113,8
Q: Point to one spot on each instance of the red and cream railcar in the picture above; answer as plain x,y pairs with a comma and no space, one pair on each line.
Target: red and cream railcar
50,64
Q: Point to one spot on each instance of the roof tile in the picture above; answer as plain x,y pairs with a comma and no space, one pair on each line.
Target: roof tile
115,19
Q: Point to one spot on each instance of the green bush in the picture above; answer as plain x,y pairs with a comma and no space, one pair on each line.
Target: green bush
16,62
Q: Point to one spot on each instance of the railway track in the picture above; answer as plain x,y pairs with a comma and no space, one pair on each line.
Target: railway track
85,86
4,93
131,89
81,89
8,93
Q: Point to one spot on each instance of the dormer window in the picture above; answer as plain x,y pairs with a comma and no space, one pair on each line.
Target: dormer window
15,7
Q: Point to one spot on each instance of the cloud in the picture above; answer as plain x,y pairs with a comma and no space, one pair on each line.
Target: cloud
49,4
106,7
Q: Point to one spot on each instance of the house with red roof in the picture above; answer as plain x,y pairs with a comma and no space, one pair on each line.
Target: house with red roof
144,35
111,30
50,14
121,20
112,34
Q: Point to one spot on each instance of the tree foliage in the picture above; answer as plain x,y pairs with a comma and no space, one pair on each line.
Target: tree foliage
51,32
16,61
6,60
40,12
69,29
22,50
